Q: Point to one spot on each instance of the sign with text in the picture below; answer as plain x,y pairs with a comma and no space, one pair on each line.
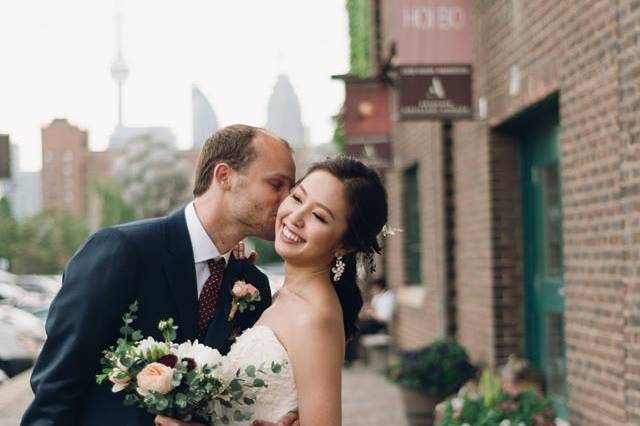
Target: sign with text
434,92
433,31
367,122
5,157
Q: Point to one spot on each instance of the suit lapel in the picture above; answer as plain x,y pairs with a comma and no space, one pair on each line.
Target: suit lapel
180,270
218,330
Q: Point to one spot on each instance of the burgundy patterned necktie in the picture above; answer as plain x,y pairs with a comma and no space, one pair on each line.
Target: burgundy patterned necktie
210,292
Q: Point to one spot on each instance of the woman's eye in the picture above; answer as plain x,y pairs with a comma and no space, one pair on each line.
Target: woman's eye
320,218
295,198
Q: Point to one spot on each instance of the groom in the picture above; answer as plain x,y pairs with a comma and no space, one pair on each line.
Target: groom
178,266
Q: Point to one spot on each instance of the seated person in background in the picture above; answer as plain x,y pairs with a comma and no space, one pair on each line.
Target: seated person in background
375,317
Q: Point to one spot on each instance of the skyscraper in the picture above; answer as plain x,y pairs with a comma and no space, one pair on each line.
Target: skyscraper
284,117
205,121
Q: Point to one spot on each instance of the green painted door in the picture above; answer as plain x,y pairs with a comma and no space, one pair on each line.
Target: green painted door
544,271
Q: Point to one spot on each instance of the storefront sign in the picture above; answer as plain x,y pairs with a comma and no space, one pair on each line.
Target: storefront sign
367,122
434,92
433,31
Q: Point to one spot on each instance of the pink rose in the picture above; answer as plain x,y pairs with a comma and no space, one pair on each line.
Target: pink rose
251,289
240,289
155,377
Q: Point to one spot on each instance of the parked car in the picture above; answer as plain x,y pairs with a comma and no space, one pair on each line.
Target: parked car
23,323
15,354
14,295
43,284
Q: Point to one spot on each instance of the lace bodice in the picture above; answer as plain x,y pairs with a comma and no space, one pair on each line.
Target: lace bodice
258,345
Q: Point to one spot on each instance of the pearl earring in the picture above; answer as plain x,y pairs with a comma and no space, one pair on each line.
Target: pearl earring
338,269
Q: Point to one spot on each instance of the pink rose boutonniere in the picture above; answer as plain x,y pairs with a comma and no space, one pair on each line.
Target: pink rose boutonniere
244,297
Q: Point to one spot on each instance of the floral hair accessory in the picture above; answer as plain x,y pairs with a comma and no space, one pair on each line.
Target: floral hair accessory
244,296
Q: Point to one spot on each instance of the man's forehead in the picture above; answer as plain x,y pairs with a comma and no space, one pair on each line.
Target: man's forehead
276,157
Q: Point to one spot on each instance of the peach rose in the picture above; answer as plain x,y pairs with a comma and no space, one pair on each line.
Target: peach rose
251,289
120,380
155,377
240,289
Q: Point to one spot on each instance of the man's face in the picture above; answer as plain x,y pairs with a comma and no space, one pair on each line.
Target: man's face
259,189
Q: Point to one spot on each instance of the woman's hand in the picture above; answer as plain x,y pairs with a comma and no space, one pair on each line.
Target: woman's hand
239,254
168,421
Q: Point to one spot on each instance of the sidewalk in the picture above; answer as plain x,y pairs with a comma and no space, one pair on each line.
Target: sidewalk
15,395
367,399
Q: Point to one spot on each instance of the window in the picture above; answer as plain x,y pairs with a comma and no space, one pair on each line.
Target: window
68,156
411,207
68,196
66,170
48,156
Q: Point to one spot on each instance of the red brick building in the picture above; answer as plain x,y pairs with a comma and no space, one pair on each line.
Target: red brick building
522,223
65,167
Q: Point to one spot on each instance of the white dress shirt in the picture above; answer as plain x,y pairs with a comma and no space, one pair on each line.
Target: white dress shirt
383,304
203,247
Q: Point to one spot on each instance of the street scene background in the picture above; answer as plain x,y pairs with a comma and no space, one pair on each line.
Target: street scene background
505,132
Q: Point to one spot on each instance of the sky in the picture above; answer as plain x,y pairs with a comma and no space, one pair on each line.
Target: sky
55,59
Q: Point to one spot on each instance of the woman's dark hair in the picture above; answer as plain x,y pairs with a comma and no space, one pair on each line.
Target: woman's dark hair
366,198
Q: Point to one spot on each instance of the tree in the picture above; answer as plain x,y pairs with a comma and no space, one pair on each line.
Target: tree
45,242
113,208
153,180
8,230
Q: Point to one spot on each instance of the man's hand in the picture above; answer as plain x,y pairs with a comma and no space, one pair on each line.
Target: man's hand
238,253
289,419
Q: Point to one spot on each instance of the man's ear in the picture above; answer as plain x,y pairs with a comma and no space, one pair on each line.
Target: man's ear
222,174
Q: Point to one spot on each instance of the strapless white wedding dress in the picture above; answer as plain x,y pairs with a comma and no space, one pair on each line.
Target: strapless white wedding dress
255,346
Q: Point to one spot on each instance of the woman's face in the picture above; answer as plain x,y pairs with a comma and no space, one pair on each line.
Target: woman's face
312,220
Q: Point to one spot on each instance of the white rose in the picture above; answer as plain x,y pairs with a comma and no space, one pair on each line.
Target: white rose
505,422
201,354
457,403
144,346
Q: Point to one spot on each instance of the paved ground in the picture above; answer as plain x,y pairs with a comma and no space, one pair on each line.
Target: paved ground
368,399
15,395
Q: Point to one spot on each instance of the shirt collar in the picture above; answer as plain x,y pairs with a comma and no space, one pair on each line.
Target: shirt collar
203,247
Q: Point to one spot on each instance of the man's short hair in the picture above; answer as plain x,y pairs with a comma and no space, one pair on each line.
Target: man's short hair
232,145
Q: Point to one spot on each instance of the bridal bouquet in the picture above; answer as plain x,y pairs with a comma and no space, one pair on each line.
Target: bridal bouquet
183,381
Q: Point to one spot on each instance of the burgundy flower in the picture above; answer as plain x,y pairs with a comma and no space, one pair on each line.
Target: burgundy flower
169,360
191,363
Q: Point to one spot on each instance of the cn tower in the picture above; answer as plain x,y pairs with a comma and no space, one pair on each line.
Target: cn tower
119,69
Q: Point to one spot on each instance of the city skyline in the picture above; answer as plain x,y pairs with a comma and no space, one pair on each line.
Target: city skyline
61,57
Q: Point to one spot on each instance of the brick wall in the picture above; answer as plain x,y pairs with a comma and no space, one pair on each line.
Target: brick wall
474,278
629,77
418,307
589,53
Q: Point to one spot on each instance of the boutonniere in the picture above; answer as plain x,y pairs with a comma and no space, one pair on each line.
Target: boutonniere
244,296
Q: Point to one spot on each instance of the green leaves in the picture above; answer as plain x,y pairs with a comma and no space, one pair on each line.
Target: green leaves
168,330
276,367
251,371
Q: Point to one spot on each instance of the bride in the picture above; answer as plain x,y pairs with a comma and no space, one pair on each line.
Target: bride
331,216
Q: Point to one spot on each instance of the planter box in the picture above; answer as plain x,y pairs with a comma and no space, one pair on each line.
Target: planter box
419,407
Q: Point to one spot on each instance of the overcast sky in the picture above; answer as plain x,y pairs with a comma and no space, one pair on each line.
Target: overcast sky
55,59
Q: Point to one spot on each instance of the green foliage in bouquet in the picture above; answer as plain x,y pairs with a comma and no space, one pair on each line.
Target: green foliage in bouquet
179,381
439,369
494,403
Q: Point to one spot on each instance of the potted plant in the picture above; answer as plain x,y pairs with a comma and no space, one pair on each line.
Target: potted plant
429,374
495,402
